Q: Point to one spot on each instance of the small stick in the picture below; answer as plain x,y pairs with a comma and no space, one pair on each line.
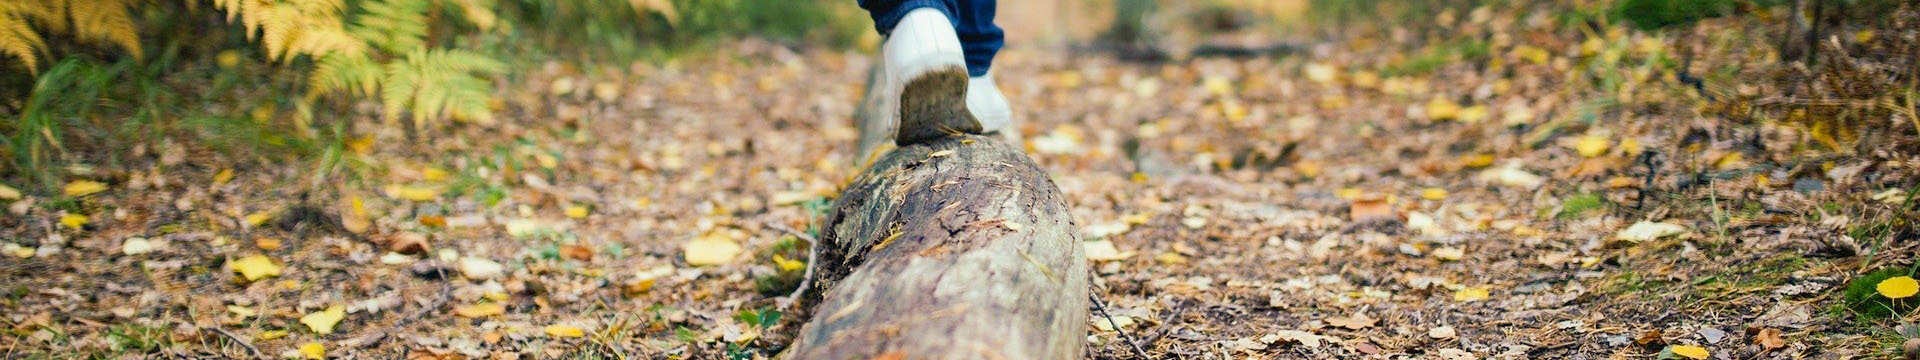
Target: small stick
1116,327
236,338
806,278
446,293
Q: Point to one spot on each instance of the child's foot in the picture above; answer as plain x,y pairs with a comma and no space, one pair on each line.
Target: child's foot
926,67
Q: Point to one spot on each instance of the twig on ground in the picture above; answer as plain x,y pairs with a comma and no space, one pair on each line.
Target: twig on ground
236,338
1097,305
806,278
1178,308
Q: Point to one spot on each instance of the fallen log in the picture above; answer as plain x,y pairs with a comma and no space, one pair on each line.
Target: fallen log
953,248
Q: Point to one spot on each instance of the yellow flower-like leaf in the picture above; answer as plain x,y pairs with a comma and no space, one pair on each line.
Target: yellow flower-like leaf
255,267
1897,287
711,250
9,193
322,321
313,351
73,220
565,331
788,265
480,310
1471,294
1689,351
415,193
223,177
78,188
1591,146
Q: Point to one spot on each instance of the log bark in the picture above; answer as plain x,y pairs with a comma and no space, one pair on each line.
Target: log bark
955,248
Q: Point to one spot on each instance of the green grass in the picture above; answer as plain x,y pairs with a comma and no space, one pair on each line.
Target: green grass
1866,303
1436,56
1578,205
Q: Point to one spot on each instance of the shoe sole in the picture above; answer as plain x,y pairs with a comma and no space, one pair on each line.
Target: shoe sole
935,106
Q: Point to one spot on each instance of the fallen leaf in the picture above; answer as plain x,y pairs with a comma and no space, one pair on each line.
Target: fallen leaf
940,153
784,264
408,242
1370,207
272,334
1440,109
414,193
1648,230
480,310
1897,287
1103,324
1471,294
1443,332
222,177
480,269
577,252
241,311
1511,175
1476,161
1103,250
267,243
1355,322
79,188
1769,338
313,351
1296,336
255,267
565,331
433,174
74,221
1433,193
1689,351
576,211
1591,145
711,250
1449,253
9,193
322,322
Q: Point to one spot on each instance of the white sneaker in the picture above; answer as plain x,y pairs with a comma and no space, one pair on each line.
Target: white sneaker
988,105
927,69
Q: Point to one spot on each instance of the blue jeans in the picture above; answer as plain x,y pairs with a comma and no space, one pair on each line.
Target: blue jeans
972,20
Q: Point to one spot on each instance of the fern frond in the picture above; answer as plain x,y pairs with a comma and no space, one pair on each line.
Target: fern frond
105,21
354,73
431,84
478,12
20,41
397,26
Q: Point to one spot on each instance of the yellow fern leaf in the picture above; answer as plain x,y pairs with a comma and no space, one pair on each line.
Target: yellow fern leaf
432,84
20,41
105,21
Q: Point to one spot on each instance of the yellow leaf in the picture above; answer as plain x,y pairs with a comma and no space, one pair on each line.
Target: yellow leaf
272,334
322,321
788,265
241,311
78,188
313,351
711,250
1441,109
480,310
565,331
415,193
1689,351
255,219
1449,254
222,177
1347,193
1476,161
1321,73
9,193
255,267
1473,114
73,220
1433,193
1471,294
433,174
1217,85
1591,146
267,243
1897,287
576,211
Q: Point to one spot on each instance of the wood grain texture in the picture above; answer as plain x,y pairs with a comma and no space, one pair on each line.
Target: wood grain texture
954,248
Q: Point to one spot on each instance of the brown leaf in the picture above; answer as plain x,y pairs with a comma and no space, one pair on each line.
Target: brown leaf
1769,338
433,221
1650,337
577,252
1356,322
1371,207
408,243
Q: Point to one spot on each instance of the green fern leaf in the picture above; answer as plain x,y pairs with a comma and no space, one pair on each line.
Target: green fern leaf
397,26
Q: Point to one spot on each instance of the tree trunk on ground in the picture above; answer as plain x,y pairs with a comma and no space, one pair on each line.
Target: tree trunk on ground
955,248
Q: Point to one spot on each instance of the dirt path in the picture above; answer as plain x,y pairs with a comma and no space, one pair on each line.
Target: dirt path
1265,208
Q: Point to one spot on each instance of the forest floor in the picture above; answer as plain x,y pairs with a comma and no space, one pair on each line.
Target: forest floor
1532,194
